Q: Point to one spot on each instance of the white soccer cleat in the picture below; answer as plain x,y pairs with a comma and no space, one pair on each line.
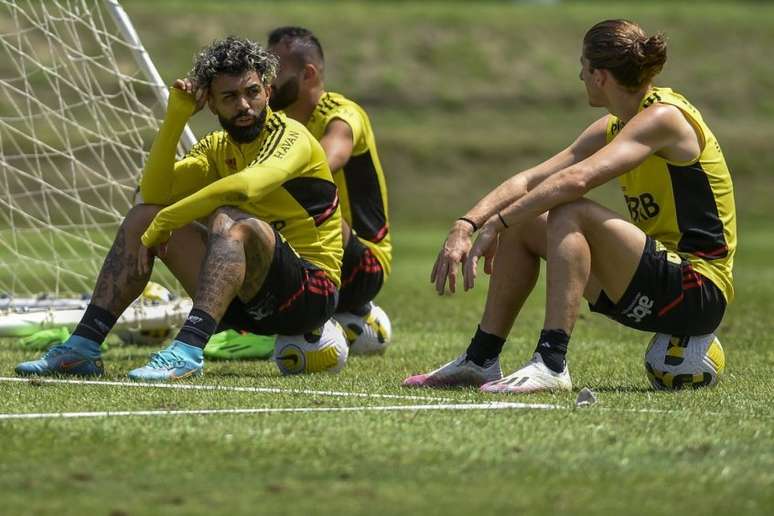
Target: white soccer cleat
460,372
533,377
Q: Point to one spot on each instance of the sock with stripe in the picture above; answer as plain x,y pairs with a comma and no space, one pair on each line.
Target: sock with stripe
197,329
95,325
552,347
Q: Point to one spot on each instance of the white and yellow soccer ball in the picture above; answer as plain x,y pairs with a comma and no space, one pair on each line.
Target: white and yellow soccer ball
315,352
152,294
369,334
673,362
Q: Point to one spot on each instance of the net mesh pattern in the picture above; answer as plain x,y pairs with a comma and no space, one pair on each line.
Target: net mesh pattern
77,118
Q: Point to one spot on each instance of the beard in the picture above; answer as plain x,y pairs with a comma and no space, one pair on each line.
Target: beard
285,95
243,133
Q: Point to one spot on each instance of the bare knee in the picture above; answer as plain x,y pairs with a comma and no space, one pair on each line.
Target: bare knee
567,216
233,224
256,235
529,236
220,221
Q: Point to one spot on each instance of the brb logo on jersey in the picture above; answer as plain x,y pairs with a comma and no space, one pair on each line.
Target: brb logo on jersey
640,308
643,207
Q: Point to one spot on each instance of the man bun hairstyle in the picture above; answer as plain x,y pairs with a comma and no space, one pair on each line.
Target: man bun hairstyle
623,48
232,56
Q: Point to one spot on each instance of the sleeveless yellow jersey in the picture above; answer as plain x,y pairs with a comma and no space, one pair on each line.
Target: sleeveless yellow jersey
361,182
281,177
688,207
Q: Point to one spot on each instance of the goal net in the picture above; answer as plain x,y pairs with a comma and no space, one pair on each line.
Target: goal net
80,103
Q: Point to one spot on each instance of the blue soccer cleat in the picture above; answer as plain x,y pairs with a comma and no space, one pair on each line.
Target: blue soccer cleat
176,362
76,356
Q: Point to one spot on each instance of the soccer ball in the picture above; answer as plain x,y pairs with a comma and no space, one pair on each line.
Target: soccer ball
152,294
369,334
315,352
675,362
144,337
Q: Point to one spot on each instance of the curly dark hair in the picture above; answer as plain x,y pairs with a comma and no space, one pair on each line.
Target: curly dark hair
232,56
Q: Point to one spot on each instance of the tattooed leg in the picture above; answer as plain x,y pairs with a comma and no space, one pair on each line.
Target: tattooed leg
119,282
239,253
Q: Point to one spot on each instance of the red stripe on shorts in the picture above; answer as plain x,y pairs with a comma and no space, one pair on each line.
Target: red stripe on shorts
671,305
720,251
368,264
317,283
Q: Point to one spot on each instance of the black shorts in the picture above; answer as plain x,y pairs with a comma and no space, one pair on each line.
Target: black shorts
666,297
296,297
361,276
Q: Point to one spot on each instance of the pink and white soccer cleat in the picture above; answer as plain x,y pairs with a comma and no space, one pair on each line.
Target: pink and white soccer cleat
535,376
460,372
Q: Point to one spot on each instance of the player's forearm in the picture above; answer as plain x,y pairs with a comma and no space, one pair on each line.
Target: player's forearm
502,196
517,187
158,178
562,187
233,190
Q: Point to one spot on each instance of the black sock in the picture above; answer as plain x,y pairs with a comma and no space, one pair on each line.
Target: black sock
484,348
197,329
552,347
95,324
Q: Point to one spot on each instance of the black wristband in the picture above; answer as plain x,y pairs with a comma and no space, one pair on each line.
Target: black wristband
475,227
502,220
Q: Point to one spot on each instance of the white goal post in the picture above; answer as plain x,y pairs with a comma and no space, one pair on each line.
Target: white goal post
80,102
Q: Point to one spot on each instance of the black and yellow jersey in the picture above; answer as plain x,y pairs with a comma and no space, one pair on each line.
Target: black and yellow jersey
281,177
688,207
361,182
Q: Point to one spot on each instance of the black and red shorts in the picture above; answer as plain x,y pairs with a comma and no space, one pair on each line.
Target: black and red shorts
296,297
362,276
666,297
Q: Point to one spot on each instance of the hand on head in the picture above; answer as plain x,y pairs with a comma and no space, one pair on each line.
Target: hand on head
188,86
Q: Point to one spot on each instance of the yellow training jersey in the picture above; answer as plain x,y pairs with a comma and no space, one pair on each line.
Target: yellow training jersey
688,207
281,177
362,187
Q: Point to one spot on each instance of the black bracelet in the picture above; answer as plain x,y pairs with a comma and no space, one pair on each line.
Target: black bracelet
502,220
475,227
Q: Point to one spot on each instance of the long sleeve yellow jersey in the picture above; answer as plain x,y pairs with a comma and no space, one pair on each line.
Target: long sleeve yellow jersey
281,177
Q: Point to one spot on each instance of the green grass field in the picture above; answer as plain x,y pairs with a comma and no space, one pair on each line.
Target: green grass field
635,451
461,95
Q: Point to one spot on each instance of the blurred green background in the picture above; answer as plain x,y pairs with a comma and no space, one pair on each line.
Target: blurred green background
464,94
461,95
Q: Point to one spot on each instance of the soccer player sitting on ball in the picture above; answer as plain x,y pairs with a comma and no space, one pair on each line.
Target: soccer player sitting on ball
268,258
667,269
344,131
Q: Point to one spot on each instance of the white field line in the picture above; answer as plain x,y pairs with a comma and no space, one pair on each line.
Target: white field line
269,410
277,390
227,388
